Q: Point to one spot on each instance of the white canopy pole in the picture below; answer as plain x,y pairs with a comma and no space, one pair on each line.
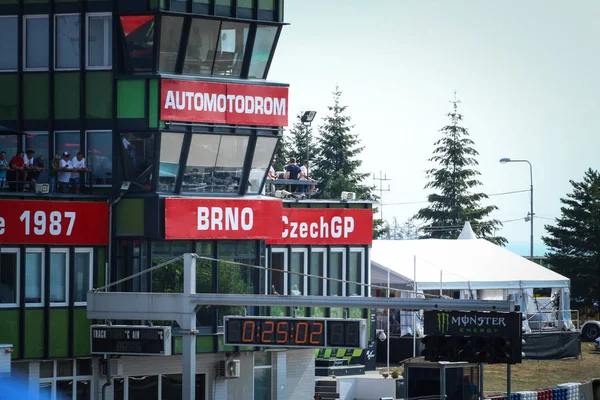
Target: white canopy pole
441,282
414,312
388,326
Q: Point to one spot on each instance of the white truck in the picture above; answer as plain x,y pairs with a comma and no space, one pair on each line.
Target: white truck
590,330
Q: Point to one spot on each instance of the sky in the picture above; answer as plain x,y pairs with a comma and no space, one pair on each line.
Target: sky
527,75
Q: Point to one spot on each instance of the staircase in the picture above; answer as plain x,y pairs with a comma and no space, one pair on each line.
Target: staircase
326,389
337,367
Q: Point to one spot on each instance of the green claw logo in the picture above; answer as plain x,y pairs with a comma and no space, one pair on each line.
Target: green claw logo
443,322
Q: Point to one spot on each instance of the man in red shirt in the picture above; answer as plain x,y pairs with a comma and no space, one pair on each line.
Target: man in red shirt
17,172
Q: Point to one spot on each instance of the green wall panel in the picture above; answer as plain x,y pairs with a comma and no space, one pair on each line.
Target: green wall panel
355,313
34,333
35,93
336,312
98,94
277,311
130,217
245,3
9,334
8,97
153,99
99,280
266,4
82,332
204,344
317,312
59,328
131,94
222,347
66,95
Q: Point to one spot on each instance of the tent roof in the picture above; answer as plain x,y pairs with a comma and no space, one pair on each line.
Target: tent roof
464,264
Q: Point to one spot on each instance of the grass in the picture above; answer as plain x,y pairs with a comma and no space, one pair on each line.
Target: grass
532,375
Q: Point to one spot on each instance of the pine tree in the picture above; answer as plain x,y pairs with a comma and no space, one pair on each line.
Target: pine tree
283,152
302,141
336,164
574,241
454,179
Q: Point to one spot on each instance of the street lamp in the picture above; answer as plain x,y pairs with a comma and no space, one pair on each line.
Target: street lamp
307,119
508,160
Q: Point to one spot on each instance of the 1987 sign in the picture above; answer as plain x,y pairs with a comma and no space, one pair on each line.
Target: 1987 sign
53,222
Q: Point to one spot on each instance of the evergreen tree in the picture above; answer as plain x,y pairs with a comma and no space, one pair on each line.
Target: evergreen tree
454,179
302,142
336,164
283,152
574,241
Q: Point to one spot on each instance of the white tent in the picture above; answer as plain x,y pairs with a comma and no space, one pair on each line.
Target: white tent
474,264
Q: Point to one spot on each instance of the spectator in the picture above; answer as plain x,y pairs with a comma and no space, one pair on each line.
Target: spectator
3,168
53,173
64,173
40,165
17,172
292,171
304,177
30,169
272,175
79,166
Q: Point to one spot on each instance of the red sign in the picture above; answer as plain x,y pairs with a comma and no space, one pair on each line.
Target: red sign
325,226
222,219
53,222
224,103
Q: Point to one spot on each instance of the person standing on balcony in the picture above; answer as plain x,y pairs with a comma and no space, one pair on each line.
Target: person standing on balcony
53,174
64,173
3,168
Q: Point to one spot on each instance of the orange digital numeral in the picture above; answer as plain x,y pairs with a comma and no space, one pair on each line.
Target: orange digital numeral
279,332
318,325
251,325
299,332
267,331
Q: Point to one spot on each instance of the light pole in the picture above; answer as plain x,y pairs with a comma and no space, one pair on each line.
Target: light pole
307,119
508,160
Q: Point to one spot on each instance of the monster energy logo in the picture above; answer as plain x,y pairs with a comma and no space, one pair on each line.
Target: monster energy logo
443,320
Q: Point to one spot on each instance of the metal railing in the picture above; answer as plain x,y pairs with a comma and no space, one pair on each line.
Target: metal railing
544,321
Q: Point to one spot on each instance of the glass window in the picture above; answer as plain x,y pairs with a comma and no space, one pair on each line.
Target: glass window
298,267
99,41
336,263
64,368
8,44
38,142
34,269
202,43
215,163
172,384
137,159
67,41
82,268
263,152
36,42
8,143
170,36
143,387
354,272
317,262
263,44
168,279
262,383
231,48
58,276
170,153
47,369
139,40
9,267
84,390
67,141
99,156
277,264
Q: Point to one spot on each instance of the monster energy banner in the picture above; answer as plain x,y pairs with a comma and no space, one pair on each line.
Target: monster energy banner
457,323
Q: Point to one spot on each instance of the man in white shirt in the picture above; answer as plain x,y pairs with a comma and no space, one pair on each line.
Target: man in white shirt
78,166
64,173
304,176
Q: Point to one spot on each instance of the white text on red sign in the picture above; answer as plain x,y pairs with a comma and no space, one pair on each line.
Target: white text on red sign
43,222
212,102
338,227
225,218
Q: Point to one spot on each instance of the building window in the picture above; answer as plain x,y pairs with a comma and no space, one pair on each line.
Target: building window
99,156
67,41
138,31
298,269
59,283
137,159
99,41
67,141
170,36
9,277
36,42
34,277
263,153
82,274
336,272
9,43
170,153
278,266
200,54
38,142
231,48
356,272
316,285
263,371
263,46
66,379
143,387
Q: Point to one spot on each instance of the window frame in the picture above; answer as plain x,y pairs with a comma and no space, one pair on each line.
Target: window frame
17,55
323,251
73,377
361,284
85,152
342,251
90,251
65,251
41,251
284,271
55,141
17,251
304,271
48,156
25,18
87,36
55,47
